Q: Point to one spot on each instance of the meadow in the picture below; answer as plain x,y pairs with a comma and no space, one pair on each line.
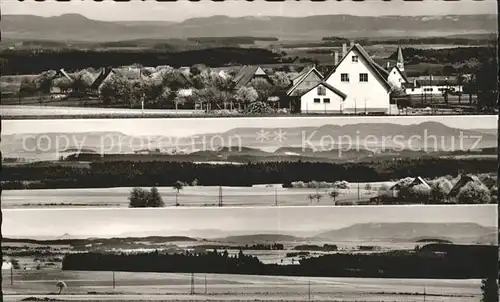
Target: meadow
188,196
98,286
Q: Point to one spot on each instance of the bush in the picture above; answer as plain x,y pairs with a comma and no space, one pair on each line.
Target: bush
440,189
140,198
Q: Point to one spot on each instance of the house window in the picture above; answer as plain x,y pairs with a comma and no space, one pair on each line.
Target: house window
321,90
317,100
326,101
355,59
344,77
363,77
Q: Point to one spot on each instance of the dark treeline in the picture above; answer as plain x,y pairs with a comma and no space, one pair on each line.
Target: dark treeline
448,55
34,62
312,247
253,247
428,262
415,41
231,40
161,173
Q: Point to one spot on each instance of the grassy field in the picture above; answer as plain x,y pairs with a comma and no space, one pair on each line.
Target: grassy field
189,196
98,286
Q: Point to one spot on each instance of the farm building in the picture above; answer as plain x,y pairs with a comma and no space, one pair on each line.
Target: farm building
362,80
61,82
464,179
249,73
433,85
416,181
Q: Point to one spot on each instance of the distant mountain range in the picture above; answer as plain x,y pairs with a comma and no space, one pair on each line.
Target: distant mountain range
75,27
348,142
458,233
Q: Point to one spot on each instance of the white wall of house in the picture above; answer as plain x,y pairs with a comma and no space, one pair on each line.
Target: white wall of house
395,78
432,90
312,102
369,96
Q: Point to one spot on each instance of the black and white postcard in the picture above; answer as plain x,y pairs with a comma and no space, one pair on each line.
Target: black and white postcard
249,151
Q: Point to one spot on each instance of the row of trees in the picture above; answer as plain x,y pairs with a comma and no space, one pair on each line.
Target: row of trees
429,263
163,88
164,173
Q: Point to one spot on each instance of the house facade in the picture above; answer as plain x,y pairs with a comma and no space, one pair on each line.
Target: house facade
322,98
363,81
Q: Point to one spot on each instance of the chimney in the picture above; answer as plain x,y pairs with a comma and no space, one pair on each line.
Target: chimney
336,58
388,65
414,82
352,43
344,49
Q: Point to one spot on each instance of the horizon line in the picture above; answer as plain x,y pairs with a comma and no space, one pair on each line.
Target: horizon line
249,16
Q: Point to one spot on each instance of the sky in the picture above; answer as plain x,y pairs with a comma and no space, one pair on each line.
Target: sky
192,126
38,223
183,9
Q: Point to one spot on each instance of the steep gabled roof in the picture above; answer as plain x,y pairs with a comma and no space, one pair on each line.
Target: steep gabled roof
303,72
105,72
302,77
62,72
245,76
329,87
416,181
464,179
378,70
403,74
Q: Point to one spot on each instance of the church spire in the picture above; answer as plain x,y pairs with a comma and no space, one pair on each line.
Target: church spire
401,62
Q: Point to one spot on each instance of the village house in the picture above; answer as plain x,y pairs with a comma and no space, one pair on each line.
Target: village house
362,80
301,90
416,181
357,84
464,179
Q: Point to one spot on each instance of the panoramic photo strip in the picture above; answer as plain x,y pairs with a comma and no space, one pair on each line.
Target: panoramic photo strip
248,59
249,162
366,253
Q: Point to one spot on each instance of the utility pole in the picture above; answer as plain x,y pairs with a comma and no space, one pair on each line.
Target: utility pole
309,291
220,196
205,284
425,294
358,191
276,196
192,283
113,279
11,275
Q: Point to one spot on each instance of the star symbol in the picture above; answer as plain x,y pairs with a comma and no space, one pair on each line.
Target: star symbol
262,135
280,135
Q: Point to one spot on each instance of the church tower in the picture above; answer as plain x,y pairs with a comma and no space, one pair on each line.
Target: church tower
401,63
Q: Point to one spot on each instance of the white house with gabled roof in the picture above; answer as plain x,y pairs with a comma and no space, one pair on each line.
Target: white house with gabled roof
363,81
322,98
